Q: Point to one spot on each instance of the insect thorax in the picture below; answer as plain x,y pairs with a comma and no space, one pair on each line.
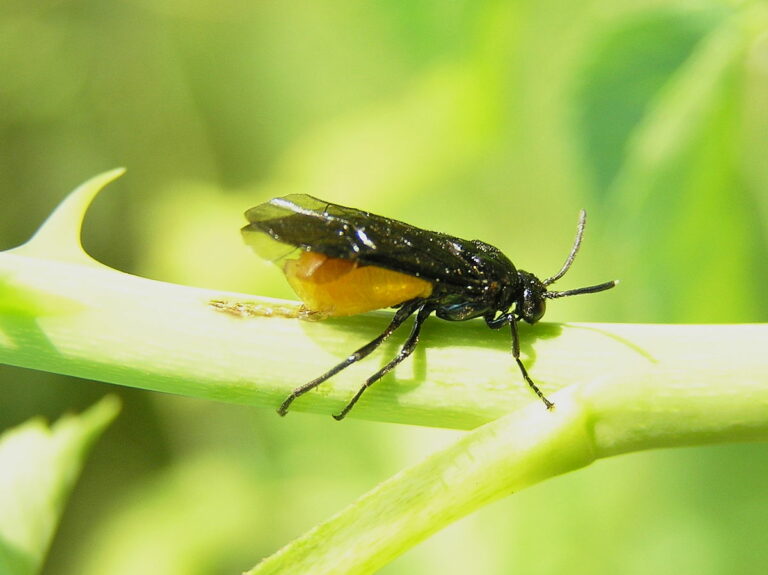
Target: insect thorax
494,286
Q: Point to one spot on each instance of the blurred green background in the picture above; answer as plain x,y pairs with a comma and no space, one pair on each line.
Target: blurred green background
488,119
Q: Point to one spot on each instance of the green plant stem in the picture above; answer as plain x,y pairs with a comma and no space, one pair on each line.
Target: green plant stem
604,416
63,312
108,326
493,461
39,464
621,387
518,450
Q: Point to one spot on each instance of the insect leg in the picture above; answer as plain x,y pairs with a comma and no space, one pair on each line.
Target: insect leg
405,351
400,316
516,355
497,322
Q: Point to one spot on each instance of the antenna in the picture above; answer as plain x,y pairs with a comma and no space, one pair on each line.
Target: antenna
572,255
577,291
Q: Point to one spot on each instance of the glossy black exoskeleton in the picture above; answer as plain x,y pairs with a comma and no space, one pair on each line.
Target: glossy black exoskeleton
352,261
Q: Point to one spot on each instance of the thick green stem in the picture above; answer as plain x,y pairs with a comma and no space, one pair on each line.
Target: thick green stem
63,312
518,450
621,387
499,458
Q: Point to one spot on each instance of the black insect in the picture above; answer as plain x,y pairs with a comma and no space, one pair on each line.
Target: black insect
343,261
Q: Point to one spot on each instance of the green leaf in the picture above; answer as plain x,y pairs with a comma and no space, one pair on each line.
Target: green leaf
626,69
38,467
684,177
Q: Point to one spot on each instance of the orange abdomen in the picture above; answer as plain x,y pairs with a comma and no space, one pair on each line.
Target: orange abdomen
343,287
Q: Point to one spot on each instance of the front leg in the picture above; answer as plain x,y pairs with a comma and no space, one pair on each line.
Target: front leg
516,354
500,321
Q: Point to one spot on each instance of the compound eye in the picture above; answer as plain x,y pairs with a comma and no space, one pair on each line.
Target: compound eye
534,306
